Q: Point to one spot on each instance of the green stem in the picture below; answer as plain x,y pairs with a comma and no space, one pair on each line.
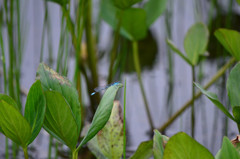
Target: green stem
138,70
193,99
188,103
6,148
50,147
25,153
75,154
238,125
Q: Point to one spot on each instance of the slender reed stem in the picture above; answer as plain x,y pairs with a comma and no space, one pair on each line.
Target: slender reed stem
138,70
25,153
193,99
124,122
75,154
220,72
50,147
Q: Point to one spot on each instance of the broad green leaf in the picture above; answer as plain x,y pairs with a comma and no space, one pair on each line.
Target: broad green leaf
154,8
102,114
59,119
213,97
60,2
182,146
51,80
233,86
227,150
14,125
125,4
144,150
134,24
9,100
35,109
195,42
133,20
158,145
230,40
175,49
110,138
236,113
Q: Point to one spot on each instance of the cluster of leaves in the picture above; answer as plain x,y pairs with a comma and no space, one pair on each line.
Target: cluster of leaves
52,102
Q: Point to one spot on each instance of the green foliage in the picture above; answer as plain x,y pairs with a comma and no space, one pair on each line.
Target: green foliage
238,1
125,4
158,144
102,114
108,143
227,150
51,80
60,2
182,146
230,40
195,43
14,125
23,130
59,119
214,99
144,150
233,87
154,8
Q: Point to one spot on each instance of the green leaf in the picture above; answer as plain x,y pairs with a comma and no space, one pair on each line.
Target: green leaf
110,138
134,24
195,42
182,146
175,49
102,114
213,97
236,113
227,150
51,80
125,4
35,109
158,144
59,120
9,100
144,150
233,86
95,149
154,8
238,1
230,40
14,125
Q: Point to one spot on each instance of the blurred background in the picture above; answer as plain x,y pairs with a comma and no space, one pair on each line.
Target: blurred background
84,48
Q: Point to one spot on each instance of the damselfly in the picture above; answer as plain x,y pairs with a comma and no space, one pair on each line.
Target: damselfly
101,88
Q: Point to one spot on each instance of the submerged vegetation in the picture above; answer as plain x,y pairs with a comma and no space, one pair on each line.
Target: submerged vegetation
80,120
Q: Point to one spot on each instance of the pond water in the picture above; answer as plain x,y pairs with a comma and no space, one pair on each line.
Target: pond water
210,122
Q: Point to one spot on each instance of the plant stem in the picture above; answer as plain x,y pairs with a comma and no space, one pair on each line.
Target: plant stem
124,122
138,70
188,103
193,99
50,147
25,153
75,154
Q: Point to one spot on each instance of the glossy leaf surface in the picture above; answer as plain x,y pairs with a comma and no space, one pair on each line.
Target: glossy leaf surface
102,114
59,120
230,40
35,109
182,146
195,42
14,125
